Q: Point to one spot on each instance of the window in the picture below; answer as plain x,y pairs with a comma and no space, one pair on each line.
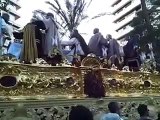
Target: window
120,19
116,3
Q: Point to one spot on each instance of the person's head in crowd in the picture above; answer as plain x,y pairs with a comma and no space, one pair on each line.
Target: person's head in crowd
143,110
158,117
114,107
108,37
80,113
96,30
6,17
74,33
127,38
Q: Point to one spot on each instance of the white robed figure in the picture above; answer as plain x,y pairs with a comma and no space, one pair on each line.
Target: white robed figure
52,36
77,50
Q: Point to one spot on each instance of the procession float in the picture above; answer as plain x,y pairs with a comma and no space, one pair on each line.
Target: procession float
54,89
40,91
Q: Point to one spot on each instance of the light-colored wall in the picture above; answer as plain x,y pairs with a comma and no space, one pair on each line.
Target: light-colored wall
127,19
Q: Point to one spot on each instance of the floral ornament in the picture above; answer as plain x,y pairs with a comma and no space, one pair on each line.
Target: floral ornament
60,111
148,66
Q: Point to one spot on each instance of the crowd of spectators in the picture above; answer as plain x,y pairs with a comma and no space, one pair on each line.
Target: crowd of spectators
83,113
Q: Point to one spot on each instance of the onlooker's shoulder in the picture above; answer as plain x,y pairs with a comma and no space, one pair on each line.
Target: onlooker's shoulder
145,118
110,116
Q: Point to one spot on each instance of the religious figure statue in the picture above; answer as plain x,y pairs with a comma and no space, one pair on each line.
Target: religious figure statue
52,39
29,52
78,46
113,49
96,42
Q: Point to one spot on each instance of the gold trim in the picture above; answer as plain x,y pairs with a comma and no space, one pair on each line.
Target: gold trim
39,80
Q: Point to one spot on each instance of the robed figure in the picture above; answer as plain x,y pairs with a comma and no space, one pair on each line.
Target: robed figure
113,49
77,44
96,42
52,37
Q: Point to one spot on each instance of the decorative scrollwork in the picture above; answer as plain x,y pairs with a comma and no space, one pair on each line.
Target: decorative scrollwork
59,111
91,62
10,70
64,81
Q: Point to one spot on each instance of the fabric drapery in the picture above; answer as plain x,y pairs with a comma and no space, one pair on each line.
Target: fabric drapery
75,42
29,50
113,48
77,50
52,38
95,44
81,41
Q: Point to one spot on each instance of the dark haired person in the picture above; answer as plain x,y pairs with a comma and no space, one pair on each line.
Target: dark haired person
143,112
80,113
114,112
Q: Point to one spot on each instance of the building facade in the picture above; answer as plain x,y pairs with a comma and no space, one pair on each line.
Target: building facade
124,11
13,7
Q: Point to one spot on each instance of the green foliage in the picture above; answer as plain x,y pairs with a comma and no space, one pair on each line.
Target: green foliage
137,21
155,2
149,34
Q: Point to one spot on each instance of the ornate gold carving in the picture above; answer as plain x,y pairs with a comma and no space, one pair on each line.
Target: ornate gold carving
36,80
64,81
91,62
9,69
58,109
